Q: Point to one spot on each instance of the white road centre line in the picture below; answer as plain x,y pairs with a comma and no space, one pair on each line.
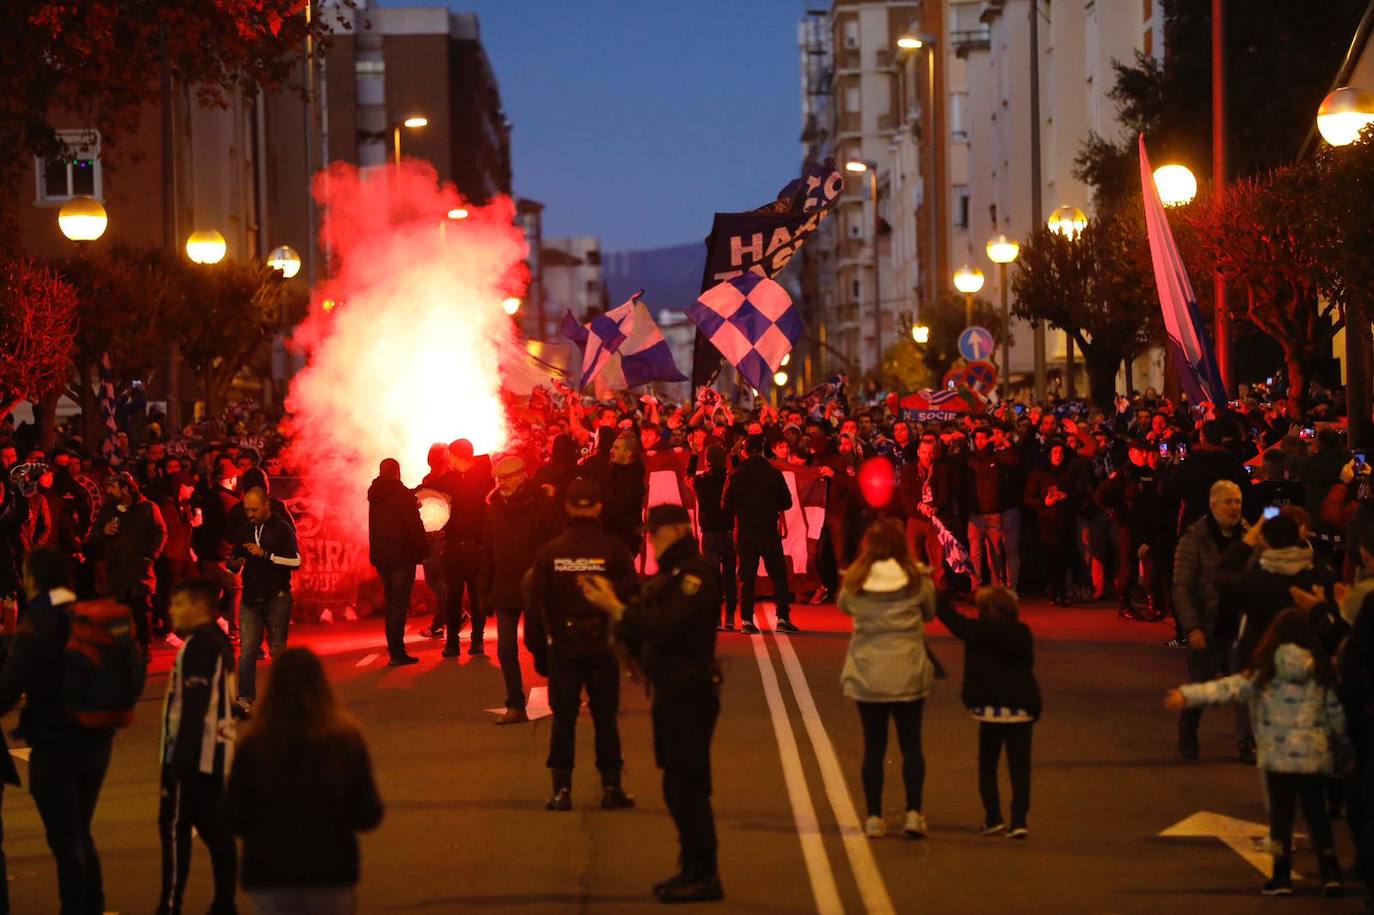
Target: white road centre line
818,867
866,874
367,659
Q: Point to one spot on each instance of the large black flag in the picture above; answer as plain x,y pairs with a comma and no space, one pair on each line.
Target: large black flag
764,240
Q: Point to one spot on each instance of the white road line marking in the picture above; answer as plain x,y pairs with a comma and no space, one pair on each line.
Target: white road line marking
861,861
367,659
21,753
818,867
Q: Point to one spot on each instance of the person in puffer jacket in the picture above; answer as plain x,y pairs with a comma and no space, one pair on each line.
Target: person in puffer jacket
887,670
1300,734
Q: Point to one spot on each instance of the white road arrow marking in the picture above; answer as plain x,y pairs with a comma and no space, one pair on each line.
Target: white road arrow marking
21,753
1241,836
536,706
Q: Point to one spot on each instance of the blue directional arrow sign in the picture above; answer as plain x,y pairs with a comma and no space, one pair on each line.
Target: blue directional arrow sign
975,344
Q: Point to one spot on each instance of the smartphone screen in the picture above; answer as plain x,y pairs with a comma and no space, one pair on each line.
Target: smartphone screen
1163,449
1271,511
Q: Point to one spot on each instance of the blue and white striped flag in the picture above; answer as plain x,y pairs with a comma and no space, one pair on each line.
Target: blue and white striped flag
1194,359
107,410
752,321
624,343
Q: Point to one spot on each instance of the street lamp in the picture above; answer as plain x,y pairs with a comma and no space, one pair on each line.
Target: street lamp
1003,251
780,378
1176,185
968,280
1343,114
458,213
413,122
911,41
860,166
286,260
511,306
920,333
82,219
1068,221
206,246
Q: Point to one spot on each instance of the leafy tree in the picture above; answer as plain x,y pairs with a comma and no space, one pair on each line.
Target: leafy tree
1263,236
904,366
1098,289
229,311
103,58
947,320
37,322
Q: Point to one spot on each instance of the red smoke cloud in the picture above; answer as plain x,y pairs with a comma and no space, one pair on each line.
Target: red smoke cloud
406,338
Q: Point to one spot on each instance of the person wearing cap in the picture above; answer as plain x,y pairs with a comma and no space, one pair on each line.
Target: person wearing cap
519,520
579,654
755,495
717,539
396,543
669,629
129,535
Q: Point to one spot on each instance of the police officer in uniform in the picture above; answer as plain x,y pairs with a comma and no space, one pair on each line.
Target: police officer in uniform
579,644
670,631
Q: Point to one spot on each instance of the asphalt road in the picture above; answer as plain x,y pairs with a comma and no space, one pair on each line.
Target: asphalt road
465,827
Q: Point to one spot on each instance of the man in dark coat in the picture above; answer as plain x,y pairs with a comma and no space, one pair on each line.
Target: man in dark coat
717,536
623,488
396,543
519,520
130,534
1191,484
927,494
755,496
467,484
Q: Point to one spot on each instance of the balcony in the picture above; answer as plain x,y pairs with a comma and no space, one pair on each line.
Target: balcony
966,40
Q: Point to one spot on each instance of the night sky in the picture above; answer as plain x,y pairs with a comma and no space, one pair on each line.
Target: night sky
635,121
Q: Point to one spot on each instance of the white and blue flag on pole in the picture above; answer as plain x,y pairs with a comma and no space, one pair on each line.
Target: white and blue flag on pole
626,344
753,323
1194,359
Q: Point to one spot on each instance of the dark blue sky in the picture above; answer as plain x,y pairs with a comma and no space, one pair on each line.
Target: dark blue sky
635,120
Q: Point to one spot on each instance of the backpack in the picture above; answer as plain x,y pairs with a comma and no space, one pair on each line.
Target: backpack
103,666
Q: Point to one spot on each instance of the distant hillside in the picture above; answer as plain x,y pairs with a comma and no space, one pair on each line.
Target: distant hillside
670,277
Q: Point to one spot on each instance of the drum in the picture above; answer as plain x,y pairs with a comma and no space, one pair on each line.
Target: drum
435,508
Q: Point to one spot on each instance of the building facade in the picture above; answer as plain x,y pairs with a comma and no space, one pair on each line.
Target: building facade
573,279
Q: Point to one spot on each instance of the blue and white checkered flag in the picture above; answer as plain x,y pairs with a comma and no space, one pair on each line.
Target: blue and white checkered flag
626,344
752,321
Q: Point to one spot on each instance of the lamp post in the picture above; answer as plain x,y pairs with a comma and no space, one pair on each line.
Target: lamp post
82,219
414,122
206,246
1003,251
1176,185
1341,117
871,167
968,280
285,259
911,41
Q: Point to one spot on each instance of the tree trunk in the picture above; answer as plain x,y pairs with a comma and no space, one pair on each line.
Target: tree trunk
92,427
1297,382
1129,364
1101,378
45,415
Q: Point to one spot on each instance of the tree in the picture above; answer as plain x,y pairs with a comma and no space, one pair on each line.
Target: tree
37,323
1263,235
1098,289
904,367
230,310
104,59
947,320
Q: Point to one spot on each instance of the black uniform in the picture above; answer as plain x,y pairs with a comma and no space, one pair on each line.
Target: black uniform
717,540
579,643
670,628
754,496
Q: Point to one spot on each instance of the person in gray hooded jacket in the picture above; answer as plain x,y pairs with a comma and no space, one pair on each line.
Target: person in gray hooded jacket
887,670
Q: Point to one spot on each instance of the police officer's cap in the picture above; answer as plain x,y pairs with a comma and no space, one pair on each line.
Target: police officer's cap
661,515
582,494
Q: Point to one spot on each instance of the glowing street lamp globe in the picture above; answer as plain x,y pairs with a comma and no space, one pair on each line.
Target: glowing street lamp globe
780,378
286,260
206,246
458,213
1343,114
415,121
511,306
1068,221
856,165
1002,250
82,219
968,280
1176,185
920,333
910,43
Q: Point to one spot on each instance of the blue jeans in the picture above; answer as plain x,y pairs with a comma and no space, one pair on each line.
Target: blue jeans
985,540
272,614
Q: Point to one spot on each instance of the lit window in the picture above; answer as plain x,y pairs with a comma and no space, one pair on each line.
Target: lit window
74,172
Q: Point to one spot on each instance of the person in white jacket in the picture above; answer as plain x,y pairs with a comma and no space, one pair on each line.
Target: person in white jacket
887,671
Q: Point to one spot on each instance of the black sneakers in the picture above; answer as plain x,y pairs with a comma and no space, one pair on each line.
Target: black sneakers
1245,751
787,626
1187,743
403,661
561,800
1281,884
683,892
613,797
748,628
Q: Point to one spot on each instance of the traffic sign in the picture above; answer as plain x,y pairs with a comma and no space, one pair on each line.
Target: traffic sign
981,376
976,343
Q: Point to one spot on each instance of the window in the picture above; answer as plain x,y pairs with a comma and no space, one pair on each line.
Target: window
73,172
855,290
593,257
1149,42
958,116
593,288
851,100
1147,10
961,206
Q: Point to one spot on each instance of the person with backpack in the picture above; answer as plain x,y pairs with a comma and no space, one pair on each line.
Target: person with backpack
1300,735
197,749
80,671
1002,695
887,671
300,791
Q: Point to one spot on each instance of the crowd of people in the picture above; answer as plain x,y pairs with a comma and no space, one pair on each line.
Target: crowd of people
1248,531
